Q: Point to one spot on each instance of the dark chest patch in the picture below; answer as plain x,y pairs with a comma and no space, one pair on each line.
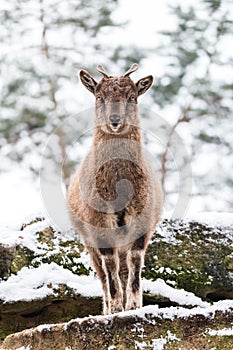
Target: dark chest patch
121,218
110,175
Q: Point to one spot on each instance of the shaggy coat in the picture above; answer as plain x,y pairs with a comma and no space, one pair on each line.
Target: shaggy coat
115,199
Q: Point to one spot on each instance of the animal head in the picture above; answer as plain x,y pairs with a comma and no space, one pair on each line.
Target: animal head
116,98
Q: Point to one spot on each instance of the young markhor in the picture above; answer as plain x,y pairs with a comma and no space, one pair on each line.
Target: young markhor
114,199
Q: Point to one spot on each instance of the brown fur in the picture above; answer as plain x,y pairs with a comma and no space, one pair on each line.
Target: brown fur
115,200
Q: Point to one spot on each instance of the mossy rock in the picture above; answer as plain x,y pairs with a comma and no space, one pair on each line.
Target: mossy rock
60,307
186,254
49,247
190,255
194,256
129,332
22,258
6,258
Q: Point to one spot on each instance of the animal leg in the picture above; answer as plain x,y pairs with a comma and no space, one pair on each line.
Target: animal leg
135,262
110,263
123,273
96,260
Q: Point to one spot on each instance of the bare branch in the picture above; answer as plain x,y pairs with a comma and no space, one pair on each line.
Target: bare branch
183,118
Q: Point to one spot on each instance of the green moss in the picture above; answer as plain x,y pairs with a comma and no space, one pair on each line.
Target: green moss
6,257
191,255
46,237
22,257
65,254
31,223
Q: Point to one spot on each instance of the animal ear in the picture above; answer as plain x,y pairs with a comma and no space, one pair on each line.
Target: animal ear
88,81
144,84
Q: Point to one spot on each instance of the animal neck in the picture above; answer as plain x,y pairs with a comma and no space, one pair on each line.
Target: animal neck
133,133
107,147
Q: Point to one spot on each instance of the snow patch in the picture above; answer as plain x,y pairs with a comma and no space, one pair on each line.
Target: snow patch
35,283
26,237
157,344
221,332
170,313
179,296
212,218
140,345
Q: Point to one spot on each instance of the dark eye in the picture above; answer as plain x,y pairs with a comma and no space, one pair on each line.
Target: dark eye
132,98
99,99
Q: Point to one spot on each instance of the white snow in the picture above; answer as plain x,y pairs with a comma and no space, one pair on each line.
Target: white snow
221,332
179,296
172,313
212,218
26,237
178,312
140,345
34,283
158,344
172,337
20,198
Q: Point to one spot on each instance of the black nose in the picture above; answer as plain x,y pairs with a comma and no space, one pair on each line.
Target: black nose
114,120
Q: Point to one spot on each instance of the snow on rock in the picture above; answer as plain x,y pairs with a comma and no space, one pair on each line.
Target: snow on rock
180,312
212,218
169,313
33,283
157,344
179,296
221,332
37,282
26,237
150,321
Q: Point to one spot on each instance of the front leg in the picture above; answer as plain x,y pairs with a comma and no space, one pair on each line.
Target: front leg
110,264
123,273
96,259
135,262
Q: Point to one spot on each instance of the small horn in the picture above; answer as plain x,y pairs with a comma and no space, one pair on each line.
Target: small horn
131,70
102,70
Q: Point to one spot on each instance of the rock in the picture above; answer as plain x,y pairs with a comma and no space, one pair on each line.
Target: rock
186,254
22,257
143,329
194,256
17,316
6,257
41,243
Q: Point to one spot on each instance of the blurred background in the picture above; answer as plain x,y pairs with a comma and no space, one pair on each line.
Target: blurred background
185,45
